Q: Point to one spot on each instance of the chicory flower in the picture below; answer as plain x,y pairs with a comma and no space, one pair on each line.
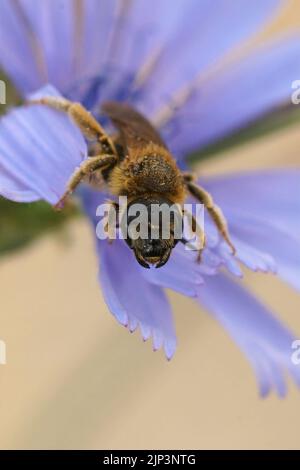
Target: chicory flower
176,62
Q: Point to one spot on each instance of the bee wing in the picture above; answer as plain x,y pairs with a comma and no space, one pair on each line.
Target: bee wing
135,130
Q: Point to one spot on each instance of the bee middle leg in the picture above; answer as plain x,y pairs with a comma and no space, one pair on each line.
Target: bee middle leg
86,168
215,212
83,119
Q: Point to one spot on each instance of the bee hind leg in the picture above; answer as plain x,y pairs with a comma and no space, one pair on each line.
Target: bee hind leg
215,212
86,168
83,119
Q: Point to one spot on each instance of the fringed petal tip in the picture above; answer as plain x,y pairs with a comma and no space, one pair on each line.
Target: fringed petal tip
265,341
135,302
264,229
159,341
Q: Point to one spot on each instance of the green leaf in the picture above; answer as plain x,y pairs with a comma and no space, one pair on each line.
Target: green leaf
20,224
279,119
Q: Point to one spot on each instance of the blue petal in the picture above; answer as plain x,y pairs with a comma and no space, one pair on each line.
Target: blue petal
181,273
140,31
132,299
39,150
205,33
233,97
81,45
251,257
283,248
273,195
52,41
264,340
262,210
17,47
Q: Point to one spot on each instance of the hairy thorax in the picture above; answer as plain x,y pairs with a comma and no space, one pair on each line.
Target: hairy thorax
152,172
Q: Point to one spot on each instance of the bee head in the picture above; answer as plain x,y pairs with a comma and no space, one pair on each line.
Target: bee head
151,230
151,251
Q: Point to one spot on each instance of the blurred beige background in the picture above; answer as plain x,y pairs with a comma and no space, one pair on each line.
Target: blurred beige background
76,379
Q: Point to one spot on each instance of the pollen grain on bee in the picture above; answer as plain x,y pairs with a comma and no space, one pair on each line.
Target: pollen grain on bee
137,220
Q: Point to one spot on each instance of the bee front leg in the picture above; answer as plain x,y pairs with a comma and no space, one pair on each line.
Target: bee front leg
83,119
87,167
215,212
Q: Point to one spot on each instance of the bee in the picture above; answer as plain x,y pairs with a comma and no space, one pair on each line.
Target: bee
136,163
